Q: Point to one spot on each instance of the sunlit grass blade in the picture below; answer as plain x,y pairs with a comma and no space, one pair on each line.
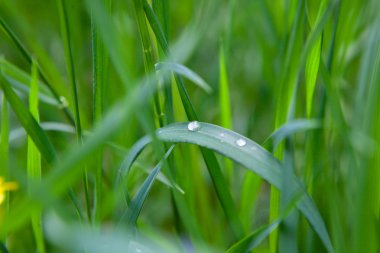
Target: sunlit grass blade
312,61
34,158
224,101
253,157
28,122
186,72
134,209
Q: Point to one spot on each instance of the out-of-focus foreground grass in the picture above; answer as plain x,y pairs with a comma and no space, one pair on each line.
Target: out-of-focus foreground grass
94,157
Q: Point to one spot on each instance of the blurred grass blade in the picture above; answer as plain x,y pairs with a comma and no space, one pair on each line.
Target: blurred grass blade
34,158
99,72
184,71
69,58
28,122
18,133
131,157
224,92
251,241
29,59
71,167
21,81
134,209
250,155
224,102
4,149
311,72
65,30
286,130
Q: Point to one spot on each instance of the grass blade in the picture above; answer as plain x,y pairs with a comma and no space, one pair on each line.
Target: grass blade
184,71
34,158
134,209
286,130
29,59
253,157
28,122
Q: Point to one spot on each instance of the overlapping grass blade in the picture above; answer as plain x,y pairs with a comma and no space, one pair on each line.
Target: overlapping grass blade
186,72
28,122
20,80
132,212
212,164
34,159
251,241
253,157
28,56
286,130
78,155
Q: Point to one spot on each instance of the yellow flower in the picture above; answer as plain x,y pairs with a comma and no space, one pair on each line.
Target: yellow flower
6,186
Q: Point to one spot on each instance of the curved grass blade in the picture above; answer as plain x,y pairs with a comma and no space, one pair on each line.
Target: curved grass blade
251,241
184,71
288,129
134,209
253,157
131,157
46,126
28,122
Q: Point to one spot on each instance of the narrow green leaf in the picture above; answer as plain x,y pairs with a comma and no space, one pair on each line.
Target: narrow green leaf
311,72
224,92
134,209
184,71
34,158
28,122
250,155
251,241
291,127
65,30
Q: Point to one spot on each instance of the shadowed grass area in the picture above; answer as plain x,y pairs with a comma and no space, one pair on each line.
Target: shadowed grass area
190,126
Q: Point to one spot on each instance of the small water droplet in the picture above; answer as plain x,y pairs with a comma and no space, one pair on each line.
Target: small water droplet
193,126
240,142
138,250
221,134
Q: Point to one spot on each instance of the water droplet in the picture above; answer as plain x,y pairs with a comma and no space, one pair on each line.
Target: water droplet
221,134
240,142
193,126
138,250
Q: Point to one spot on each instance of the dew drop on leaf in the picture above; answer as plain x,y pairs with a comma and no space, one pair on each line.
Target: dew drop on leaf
193,126
240,142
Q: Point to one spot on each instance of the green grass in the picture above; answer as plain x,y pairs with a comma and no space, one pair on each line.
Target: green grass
190,126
